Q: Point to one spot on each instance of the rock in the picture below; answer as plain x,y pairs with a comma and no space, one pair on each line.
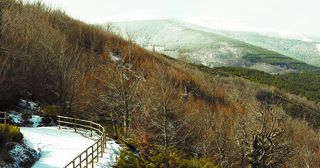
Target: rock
22,156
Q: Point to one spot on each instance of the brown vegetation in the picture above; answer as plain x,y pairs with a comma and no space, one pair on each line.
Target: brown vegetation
163,105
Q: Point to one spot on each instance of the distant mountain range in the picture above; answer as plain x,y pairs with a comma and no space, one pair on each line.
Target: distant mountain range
215,48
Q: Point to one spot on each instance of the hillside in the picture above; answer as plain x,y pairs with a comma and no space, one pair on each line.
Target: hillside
201,45
301,47
306,51
167,112
303,84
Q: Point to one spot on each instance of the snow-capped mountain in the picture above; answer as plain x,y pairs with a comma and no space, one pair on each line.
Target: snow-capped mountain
207,46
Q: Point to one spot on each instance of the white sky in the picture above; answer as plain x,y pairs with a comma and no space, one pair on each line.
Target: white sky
299,16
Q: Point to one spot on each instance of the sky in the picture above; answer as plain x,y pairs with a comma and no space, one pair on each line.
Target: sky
287,16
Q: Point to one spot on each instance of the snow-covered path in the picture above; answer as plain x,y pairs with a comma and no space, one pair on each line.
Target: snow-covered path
58,147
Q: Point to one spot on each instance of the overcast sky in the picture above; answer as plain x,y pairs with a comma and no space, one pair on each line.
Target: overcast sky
297,16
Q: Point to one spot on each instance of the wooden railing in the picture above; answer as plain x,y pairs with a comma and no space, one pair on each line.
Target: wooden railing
92,153
3,117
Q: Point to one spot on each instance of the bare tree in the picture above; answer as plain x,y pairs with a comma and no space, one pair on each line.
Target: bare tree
5,63
68,69
109,27
121,96
164,111
264,144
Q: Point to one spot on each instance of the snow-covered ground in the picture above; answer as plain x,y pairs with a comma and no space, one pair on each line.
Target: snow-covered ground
318,47
35,120
15,117
57,147
28,106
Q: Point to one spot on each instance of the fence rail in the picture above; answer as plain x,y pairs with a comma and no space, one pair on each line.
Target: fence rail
3,117
92,153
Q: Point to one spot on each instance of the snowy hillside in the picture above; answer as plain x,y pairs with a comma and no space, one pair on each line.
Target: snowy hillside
178,41
300,48
200,45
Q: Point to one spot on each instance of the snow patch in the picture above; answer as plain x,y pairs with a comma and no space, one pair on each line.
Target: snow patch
56,147
15,117
35,120
155,48
318,47
115,58
28,106
287,35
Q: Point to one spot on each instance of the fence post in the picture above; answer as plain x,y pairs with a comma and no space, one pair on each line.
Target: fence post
80,163
92,161
59,126
75,125
104,142
101,139
101,145
91,129
87,158
97,151
5,118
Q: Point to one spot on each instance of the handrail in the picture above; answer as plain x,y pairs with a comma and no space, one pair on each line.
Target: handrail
92,153
4,118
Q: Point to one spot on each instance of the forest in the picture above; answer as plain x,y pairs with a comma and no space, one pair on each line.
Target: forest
305,84
167,112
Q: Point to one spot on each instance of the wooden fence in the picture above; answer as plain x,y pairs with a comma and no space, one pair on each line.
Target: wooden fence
3,117
91,154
